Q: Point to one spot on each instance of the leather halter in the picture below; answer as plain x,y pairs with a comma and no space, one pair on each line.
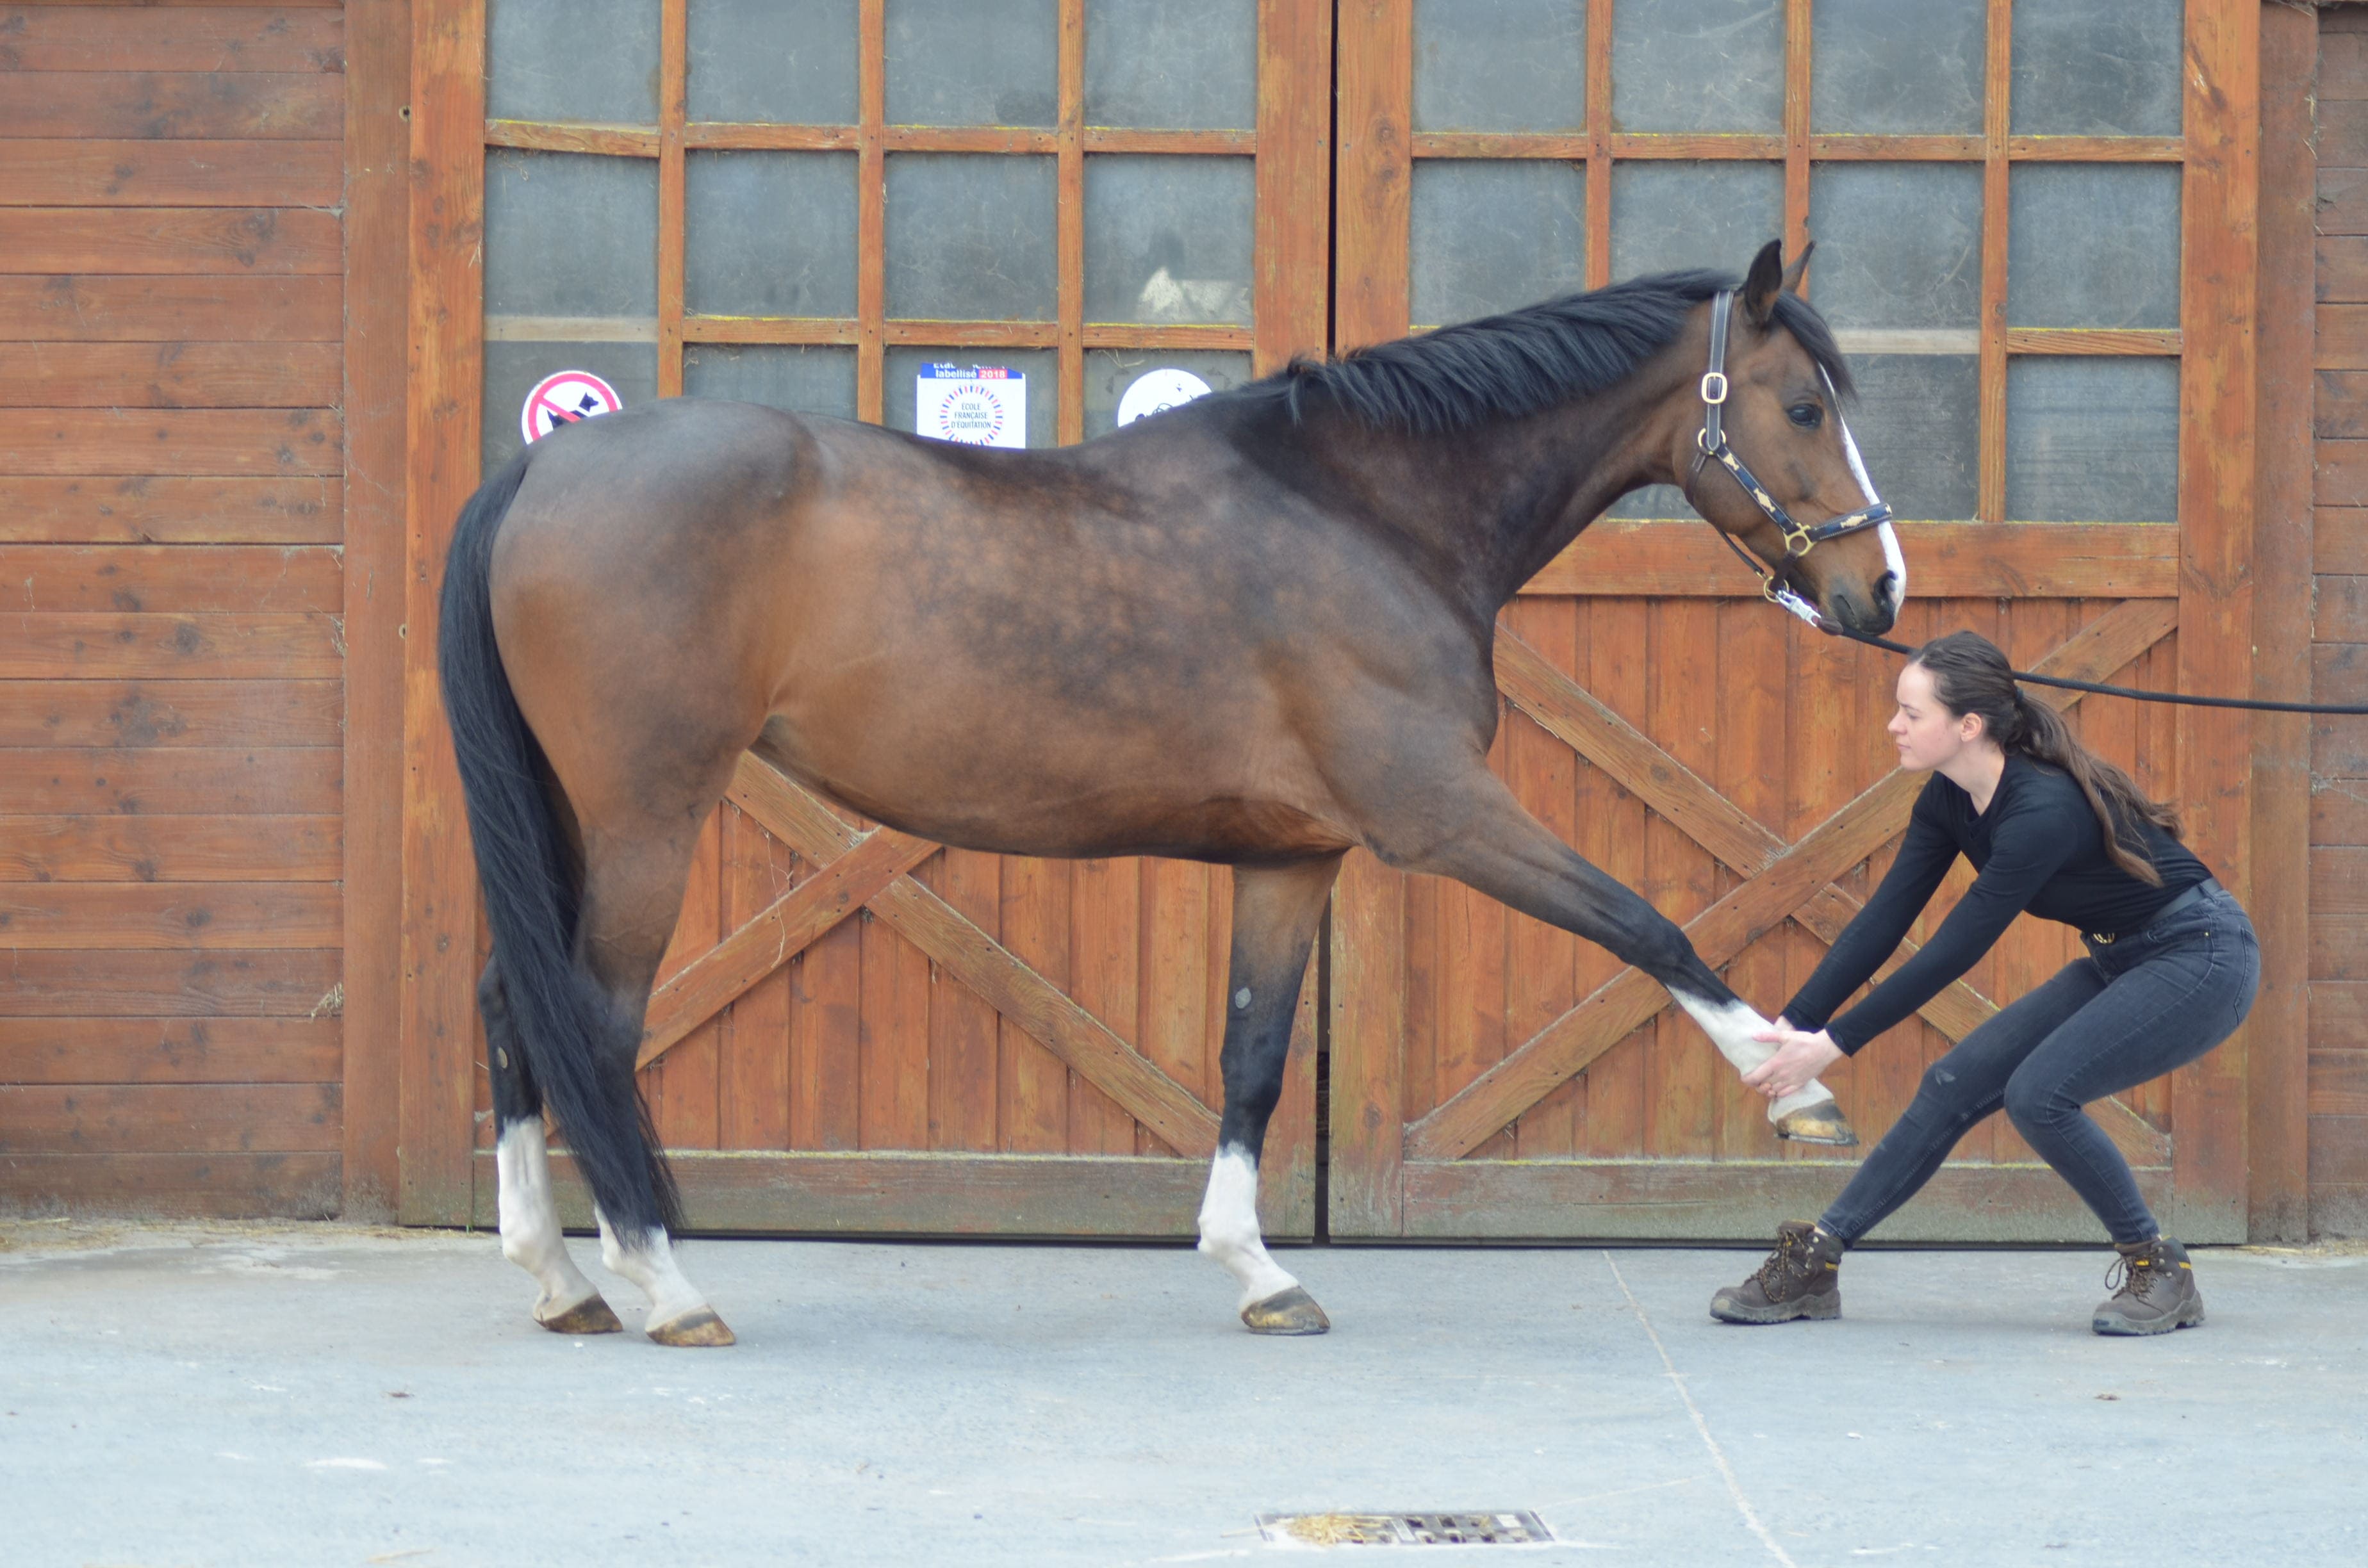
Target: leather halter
1709,443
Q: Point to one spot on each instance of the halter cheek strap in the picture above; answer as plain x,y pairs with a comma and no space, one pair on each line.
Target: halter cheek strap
1710,444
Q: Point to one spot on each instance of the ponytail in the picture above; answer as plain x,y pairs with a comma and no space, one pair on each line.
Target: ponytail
1971,675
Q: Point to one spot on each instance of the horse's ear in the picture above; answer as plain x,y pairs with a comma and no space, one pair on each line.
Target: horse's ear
1793,274
1760,285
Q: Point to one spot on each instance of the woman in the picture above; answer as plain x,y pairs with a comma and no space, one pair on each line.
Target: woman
2171,972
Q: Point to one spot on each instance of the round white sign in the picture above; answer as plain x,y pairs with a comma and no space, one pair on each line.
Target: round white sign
1155,392
565,398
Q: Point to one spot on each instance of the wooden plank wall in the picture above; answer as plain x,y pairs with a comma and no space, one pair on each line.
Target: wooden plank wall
2338,829
172,652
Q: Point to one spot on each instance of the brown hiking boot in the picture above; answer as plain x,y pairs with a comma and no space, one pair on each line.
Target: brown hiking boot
2154,1291
1802,1279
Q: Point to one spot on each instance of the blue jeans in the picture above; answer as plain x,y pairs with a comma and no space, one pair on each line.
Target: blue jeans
2133,1010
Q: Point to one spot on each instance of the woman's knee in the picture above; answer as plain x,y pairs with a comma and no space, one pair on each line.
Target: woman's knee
2033,1104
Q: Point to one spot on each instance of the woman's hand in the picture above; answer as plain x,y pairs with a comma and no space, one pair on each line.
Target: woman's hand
1799,1058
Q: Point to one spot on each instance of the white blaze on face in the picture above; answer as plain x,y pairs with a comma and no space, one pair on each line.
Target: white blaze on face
1892,558
1229,1227
1730,1026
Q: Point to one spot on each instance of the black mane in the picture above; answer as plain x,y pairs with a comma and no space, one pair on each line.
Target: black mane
1525,362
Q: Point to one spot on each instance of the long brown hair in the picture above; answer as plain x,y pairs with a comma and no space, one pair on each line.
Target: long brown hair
1970,675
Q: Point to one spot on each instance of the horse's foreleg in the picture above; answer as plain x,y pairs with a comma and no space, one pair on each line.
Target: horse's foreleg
1490,843
529,1217
1276,910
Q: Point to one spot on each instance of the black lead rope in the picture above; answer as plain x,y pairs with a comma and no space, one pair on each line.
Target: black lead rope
2130,692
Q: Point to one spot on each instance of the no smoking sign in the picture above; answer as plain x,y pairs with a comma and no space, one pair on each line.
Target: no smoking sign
564,399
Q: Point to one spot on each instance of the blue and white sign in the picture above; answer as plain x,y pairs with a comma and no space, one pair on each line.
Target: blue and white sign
979,405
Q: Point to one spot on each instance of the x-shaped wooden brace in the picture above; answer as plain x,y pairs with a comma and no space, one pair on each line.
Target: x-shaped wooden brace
858,869
1781,882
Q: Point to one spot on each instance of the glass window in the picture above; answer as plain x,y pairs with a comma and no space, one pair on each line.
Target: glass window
2098,68
1172,64
569,234
1109,371
2091,440
970,237
573,60
1500,65
1494,235
1918,426
799,379
1698,65
1169,239
1041,367
2092,245
960,63
1898,245
1881,66
513,368
769,233
1670,216
788,61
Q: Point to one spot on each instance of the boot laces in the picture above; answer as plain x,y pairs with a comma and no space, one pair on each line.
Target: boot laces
1790,1265
2133,1275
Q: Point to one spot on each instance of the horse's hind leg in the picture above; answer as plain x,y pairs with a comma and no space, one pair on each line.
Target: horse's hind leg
1275,913
633,880
1481,836
529,1216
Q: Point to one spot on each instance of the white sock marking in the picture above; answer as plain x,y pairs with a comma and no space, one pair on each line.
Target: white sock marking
1730,1028
1229,1227
651,1266
529,1219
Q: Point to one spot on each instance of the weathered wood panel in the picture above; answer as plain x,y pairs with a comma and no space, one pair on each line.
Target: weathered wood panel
229,38
44,172
272,713
178,105
107,1119
51,579
287,983
168,1050
105,308
171,1186
193,781
169,375
171,240
88,848
227,441
258,647
168,916
165,509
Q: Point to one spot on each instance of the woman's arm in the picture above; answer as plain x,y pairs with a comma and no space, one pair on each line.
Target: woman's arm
1925,856
2030,845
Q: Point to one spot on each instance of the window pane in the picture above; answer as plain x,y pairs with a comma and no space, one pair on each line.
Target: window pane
1172,64
1169,239
1109,371
802,379
1898,245
2092,245
513,368
582,59
2098,67
1918,423
1674,215
1881,66
959,63
2091,440
1500,65
791,62
1698,65
1040,366
1494,236
569,234
769,233
970,237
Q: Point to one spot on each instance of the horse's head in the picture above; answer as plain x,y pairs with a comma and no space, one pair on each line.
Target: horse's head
1764,455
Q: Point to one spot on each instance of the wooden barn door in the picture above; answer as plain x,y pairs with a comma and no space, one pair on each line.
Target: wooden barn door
2035,242
803,205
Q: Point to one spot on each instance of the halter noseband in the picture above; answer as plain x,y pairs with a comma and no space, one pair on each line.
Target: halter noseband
1710,442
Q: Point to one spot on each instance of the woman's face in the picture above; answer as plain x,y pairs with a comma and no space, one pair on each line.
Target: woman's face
1926,732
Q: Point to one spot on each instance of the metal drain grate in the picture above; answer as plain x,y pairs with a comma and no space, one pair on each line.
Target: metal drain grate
1404,1530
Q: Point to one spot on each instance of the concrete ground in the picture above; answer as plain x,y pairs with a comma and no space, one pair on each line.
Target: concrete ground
316,1395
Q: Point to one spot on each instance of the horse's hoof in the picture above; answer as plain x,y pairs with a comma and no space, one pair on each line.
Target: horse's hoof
696,1329
1287,1312
590,1315
1820,1123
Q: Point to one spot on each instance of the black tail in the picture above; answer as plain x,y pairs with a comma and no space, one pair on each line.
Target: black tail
579,1047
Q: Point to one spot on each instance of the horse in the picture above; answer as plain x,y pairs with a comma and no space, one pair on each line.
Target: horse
1255,629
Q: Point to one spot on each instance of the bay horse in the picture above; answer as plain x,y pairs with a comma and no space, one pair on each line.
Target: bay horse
1255,629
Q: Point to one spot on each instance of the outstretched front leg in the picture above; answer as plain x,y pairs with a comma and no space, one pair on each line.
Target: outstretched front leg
1483,837
1276,909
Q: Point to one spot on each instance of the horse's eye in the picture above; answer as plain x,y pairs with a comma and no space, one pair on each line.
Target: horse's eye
1807,415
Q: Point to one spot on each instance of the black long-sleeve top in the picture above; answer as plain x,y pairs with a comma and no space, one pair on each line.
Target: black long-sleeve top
2039,846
